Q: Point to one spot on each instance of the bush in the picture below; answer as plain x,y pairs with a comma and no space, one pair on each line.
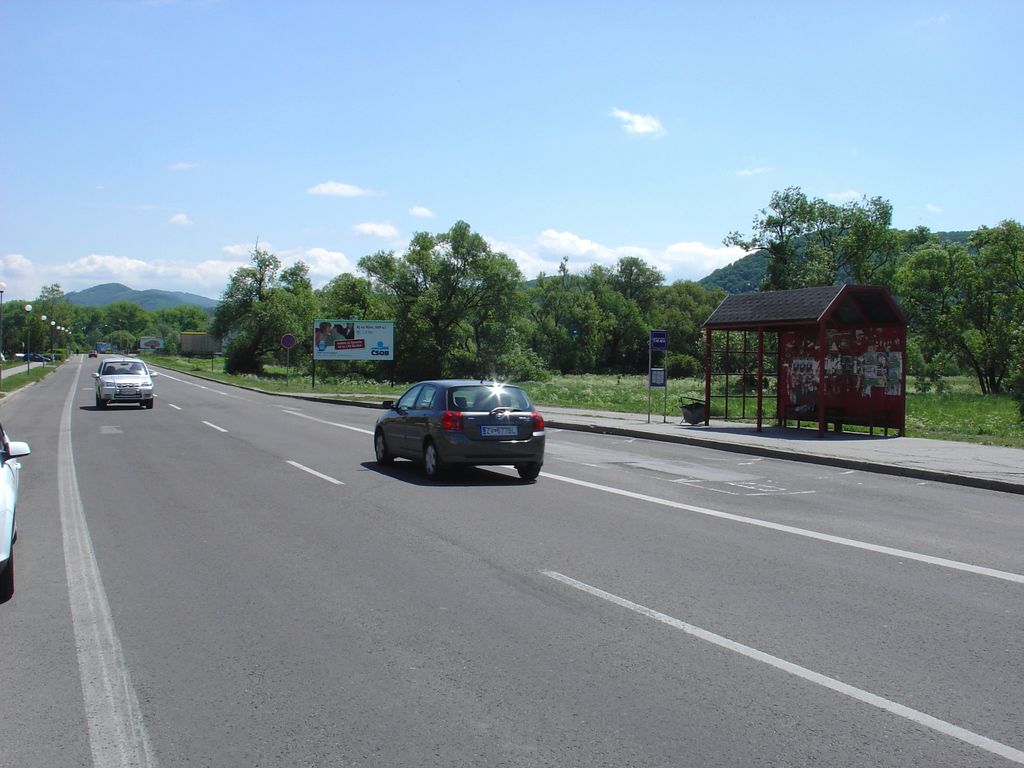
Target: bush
1015,378
680,366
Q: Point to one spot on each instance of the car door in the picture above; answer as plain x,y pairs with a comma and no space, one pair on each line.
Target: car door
396,427
419,417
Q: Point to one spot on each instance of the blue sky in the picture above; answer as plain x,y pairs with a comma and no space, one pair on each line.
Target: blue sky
152,142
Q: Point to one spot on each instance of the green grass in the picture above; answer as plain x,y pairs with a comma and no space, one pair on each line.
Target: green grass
14,381
959,413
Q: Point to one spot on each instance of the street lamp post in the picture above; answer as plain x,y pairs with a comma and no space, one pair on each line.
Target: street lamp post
28,338
44,318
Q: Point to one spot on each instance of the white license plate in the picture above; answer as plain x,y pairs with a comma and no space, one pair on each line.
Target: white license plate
504,431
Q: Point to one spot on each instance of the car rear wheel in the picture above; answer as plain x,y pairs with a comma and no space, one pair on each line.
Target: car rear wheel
380,449
7,580
528,471
432,463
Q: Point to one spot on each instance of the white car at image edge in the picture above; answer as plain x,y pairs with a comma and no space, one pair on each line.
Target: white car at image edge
10,467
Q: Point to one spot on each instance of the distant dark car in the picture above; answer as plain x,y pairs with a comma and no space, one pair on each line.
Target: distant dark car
453,422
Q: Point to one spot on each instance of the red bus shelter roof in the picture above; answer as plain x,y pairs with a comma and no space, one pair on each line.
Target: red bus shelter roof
846,305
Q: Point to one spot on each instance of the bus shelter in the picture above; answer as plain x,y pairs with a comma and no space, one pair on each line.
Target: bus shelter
826,355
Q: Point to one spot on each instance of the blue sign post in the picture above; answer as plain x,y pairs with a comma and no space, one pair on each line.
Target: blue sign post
656,376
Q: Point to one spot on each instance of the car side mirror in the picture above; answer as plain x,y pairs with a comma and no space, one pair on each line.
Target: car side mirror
16,448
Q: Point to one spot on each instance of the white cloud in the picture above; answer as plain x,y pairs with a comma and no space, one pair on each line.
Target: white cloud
568,244
695,260
638,124
376,229
844,197
932,208
324,265
244,250
420,212
337,189
752,171
678,261
180,220
182,166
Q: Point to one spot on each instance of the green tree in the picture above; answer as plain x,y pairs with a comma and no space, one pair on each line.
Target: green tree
810,241
566,328
623,329
259,305
778,230
682,308
454,301
968,300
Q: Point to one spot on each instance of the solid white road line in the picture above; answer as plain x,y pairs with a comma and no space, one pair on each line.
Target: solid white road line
900,710
117,733
901,553
329,423
219,429
315,473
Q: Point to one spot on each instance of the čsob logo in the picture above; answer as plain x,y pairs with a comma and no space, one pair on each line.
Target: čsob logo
381,350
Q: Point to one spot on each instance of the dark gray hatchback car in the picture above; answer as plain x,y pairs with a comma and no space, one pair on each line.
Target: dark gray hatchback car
453,422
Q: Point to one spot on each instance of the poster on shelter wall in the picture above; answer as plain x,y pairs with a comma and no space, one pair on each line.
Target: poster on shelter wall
894,382
803,382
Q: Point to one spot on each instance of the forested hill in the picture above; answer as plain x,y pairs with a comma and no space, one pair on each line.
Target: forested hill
745,274
150,300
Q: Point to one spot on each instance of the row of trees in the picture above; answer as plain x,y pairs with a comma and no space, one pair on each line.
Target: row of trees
462,309
121,324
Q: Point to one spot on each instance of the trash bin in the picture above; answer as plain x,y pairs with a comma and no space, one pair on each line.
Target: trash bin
694,412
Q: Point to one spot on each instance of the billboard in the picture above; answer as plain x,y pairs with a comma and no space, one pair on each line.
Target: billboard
195,343
353,340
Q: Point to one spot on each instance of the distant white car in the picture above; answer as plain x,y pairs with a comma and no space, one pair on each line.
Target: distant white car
124,380
9,470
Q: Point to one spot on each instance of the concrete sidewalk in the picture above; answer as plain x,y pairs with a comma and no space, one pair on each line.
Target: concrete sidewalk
944,461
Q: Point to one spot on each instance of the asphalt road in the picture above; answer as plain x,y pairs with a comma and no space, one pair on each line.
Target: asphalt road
230,580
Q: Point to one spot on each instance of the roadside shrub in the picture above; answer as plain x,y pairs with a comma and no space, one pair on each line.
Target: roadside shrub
680,366
1015,378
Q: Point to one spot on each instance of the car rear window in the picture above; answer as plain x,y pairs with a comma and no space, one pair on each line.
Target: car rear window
484,397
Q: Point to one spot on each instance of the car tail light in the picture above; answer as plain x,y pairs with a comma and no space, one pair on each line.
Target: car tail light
538,422
451,421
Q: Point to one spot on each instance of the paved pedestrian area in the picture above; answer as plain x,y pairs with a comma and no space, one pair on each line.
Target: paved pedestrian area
980,466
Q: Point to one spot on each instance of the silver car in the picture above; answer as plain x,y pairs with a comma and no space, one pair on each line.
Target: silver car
451,422
124,380
10,468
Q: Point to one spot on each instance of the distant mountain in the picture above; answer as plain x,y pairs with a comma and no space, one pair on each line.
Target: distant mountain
745,274
742,276
108,293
